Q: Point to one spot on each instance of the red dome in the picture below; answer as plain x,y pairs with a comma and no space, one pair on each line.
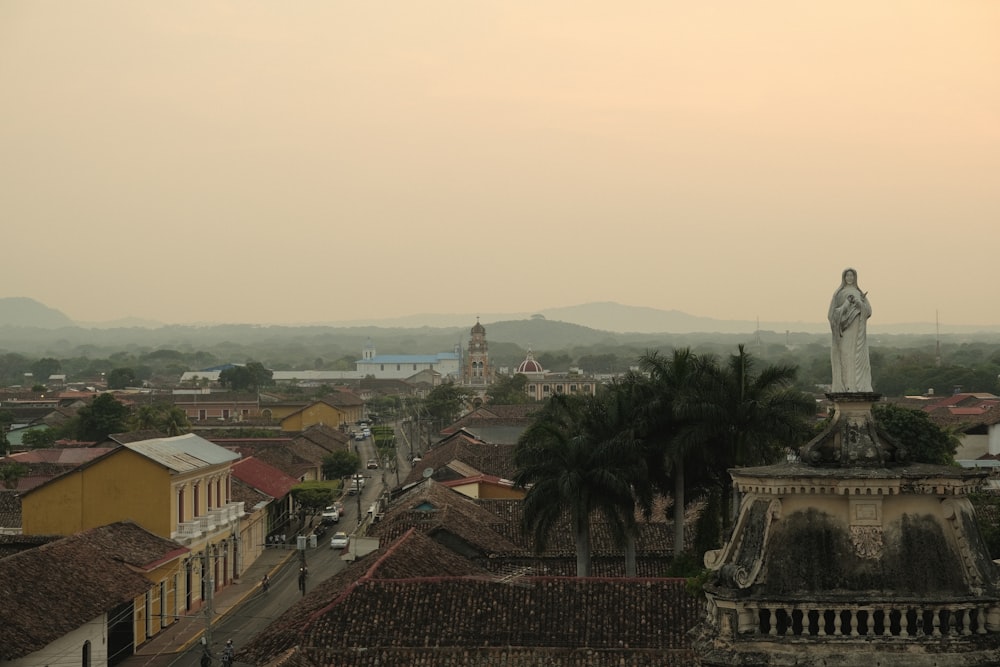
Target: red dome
529,365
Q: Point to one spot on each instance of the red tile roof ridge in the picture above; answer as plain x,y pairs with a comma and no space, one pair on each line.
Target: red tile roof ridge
368,575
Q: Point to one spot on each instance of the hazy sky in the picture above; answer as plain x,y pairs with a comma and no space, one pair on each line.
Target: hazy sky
323,160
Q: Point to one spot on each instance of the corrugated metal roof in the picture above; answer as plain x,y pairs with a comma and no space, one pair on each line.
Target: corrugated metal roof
183,453
409,358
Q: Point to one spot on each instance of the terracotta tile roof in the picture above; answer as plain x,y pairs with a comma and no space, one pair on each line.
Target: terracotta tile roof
71,456
655,537
447,516
263,477
56,588
496,423
249,496
324,436
280,453
43,467
412,556
416,619
10,509
342,399
480,456
15,544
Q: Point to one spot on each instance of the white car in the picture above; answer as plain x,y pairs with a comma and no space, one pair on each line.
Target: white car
339,541
331,515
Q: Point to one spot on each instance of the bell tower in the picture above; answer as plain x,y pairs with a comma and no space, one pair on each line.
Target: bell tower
477,371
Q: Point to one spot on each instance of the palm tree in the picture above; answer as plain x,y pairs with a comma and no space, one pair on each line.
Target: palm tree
673,393
611,420
572,466
745,418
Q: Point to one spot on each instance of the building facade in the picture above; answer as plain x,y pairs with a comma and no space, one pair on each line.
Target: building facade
178,488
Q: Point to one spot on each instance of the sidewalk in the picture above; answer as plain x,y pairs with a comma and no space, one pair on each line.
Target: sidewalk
188,629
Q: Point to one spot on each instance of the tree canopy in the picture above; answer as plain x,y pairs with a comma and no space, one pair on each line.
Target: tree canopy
311,497
923,440
105,415
249,377
509,390
445,403
340,464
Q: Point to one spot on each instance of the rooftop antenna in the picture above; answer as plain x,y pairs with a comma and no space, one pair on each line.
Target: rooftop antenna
937,327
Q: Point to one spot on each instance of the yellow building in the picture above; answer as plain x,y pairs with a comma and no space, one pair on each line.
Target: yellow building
337,409
179,488
119,578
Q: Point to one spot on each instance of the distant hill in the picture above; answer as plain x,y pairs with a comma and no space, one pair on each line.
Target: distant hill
602,316
23,312
609,316
605,320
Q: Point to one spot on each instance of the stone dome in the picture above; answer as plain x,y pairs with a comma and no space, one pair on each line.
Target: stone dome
529,365
478,328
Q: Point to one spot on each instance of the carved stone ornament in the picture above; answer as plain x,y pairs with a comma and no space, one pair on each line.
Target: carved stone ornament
867,541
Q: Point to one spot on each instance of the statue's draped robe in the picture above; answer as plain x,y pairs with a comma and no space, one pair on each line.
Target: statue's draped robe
852,371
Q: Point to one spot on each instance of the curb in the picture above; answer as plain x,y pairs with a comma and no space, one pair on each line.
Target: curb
236,603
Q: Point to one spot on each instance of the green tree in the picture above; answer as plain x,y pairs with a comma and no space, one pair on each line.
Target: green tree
340,464
167,418
554,361
312,497
38,438
509,390
923,440
105,415
249,377
10,473
44,368
571,470
673,397
120,378
445,403
612,421
601,363
6,419
748,418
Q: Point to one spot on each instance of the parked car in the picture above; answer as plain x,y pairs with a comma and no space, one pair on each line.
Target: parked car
372,464
339,540
359,436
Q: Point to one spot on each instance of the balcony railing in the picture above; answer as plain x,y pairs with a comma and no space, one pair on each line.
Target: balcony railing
902,621
217,520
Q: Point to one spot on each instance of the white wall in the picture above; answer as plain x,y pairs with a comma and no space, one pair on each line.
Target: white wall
68,649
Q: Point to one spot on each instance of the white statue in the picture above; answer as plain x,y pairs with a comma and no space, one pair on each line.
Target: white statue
849,313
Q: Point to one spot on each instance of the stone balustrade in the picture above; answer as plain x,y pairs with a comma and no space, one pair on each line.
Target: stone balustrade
217,519
187,531
903,621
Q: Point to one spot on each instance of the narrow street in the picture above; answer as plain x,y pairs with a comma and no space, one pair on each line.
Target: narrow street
244,609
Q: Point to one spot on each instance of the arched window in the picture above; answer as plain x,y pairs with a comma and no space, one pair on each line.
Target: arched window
85,658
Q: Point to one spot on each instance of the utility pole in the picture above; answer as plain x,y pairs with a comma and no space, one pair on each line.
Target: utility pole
209,583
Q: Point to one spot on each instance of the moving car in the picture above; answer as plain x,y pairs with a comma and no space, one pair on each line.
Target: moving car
355,484
372,464
331,515
339,540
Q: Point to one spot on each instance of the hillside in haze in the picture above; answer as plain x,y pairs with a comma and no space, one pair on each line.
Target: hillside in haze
24,312
600,316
